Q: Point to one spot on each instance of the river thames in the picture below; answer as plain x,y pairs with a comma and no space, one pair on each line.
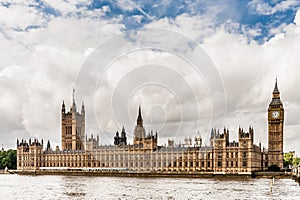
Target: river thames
80,187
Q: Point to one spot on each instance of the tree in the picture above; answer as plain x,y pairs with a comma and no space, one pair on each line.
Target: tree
8,159
296,161
288,159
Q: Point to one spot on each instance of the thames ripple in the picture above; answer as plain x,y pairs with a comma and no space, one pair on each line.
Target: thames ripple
79,187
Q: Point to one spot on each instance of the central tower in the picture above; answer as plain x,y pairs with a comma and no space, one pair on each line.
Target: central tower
275,127
139,131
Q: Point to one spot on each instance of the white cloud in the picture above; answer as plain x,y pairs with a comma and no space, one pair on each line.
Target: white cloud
68,7
195,27
260,7
297,18
38,68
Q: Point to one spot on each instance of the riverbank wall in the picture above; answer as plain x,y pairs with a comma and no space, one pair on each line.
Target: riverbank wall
276,175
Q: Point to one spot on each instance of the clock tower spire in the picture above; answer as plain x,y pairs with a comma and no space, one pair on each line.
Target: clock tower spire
275,129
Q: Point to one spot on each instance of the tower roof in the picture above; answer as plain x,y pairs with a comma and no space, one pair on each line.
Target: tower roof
276,91
276,95
140,118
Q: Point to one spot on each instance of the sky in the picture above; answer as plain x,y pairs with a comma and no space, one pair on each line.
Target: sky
191,65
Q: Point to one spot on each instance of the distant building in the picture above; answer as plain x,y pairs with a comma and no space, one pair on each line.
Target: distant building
222,156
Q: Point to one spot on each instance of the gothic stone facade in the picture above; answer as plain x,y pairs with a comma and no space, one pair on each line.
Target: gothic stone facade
222,156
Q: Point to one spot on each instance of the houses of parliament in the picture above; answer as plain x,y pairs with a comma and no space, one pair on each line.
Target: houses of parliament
144,154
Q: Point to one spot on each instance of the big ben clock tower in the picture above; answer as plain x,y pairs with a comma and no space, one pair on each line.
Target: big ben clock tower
275,123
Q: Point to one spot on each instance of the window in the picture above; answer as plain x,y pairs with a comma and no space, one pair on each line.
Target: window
219,164
219,155
244,164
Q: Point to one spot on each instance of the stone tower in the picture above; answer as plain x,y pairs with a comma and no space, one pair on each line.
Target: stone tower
275,127
72,127
139,131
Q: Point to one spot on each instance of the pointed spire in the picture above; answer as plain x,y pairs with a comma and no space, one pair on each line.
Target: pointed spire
276,91
139,118
140,113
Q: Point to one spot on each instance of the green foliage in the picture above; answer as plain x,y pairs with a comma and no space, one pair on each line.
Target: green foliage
290,160
296,161
8,159
274,168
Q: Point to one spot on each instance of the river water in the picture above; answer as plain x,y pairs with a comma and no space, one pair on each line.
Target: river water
80,187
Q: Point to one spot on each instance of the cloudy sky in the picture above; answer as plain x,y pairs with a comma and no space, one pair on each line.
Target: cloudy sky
191,65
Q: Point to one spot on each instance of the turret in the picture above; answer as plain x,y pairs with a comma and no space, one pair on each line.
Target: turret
63,108
117,139
48,148
198,140
212,137
251,131
82,109
123,139
123,133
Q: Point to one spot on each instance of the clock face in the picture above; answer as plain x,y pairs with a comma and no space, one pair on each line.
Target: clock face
275,114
